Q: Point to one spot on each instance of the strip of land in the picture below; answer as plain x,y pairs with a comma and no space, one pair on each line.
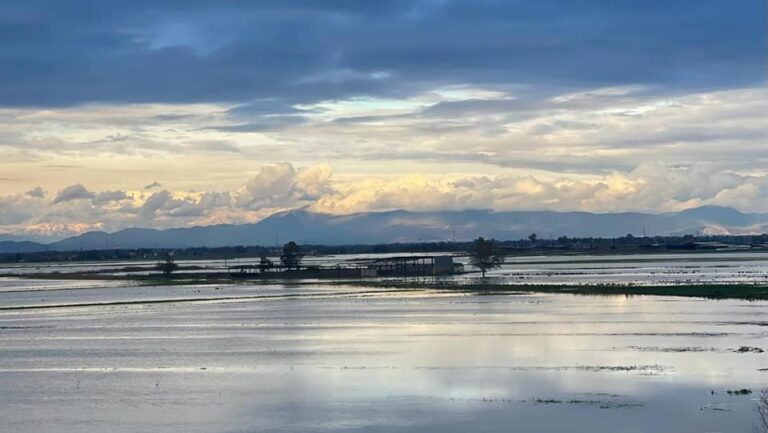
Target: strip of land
709,291
203,299
747,291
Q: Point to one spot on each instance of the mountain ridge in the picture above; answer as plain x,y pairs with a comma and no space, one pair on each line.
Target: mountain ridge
395,226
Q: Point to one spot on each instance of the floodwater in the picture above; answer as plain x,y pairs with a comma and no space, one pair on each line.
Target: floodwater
112,267
274,358
635,269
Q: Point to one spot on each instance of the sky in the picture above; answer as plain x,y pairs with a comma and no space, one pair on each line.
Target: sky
138,113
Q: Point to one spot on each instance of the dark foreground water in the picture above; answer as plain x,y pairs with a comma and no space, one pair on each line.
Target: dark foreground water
292,359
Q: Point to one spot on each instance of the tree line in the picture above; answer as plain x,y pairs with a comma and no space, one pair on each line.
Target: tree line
289,259
484,255
531,244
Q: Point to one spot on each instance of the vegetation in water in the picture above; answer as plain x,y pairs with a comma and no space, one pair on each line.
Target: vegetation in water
710,291
167,266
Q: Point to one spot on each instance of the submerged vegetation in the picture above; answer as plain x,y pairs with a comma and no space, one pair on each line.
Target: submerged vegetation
167,266
743,391
747,291
705,290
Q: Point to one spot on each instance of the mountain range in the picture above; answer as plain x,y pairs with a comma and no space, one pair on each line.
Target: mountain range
307,227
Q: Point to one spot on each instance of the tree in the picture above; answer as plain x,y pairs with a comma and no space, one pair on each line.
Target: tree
291,257
167,266
532,238
486,254
265,264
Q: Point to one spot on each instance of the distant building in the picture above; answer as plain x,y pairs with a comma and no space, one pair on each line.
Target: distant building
412,266
443,265
399,266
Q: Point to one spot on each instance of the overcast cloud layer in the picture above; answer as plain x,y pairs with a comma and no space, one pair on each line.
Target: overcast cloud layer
171,113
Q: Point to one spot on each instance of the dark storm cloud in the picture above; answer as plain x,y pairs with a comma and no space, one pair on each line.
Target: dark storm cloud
64,52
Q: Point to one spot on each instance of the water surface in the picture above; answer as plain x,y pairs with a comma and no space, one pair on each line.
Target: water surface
327,359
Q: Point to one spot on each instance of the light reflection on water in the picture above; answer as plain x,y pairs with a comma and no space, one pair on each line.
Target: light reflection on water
399,362
677,268
640,269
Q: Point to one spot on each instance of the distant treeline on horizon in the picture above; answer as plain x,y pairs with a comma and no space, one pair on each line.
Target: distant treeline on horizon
531,245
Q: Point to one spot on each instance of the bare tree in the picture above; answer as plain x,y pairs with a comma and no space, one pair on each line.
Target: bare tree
762,409
486,254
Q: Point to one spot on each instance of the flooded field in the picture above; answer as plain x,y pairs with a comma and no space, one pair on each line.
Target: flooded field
292,358
636,269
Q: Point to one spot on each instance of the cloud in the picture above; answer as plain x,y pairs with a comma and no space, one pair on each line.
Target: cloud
202,205
281,185
647,188
626,149
471,129
11,213
617,130
73,192
651,187
264,124
419,104
303,52
105,197
157,201
18,209
413,192
36,192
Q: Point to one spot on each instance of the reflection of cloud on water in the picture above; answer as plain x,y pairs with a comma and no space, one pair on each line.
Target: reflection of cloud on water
402,362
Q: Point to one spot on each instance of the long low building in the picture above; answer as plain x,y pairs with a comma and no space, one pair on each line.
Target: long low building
404,266
399,266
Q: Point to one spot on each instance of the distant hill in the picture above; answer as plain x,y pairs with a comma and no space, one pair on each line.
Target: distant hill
307,227
21,247
723,216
